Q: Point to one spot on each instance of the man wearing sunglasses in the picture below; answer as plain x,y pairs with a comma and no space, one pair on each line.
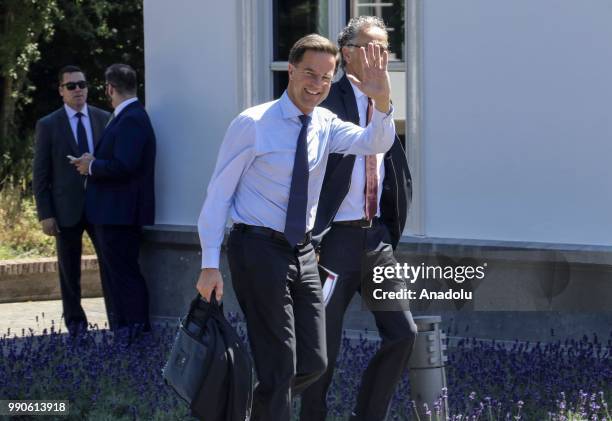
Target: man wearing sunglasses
361,215
72,130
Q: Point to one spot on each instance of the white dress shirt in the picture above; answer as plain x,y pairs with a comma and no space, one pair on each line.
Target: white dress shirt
252,177
74,121
353,205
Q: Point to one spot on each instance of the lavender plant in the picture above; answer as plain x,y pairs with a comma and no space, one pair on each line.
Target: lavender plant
107,377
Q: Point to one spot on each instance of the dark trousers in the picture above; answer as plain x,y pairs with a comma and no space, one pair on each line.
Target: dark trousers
119,251
279,292
352,252
69,244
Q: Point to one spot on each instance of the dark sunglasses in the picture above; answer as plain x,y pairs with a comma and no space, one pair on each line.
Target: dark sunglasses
71,86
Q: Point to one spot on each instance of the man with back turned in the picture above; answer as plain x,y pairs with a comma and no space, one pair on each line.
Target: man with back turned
120,196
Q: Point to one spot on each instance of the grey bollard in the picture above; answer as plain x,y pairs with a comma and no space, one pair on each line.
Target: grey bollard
427,373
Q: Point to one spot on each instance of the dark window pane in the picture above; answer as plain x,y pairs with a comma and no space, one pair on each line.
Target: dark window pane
281,79
295,18
392,12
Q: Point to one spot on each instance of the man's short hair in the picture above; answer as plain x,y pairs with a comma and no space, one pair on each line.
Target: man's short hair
122,77
68,69
352,29
312,42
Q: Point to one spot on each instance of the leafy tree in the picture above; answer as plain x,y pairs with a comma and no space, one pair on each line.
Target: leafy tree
94,35
22,24
38,38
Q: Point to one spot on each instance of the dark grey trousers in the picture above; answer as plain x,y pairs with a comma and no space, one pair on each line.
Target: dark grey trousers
279,292
352,252
69,243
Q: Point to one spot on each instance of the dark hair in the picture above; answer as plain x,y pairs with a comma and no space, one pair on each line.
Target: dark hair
313,42
68,69
122,77
352,29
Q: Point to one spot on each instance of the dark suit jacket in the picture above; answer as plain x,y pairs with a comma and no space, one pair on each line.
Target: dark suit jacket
120,189
58,187
397,184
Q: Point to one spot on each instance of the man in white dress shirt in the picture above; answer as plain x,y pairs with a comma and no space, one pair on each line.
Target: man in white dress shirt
59,191
268,178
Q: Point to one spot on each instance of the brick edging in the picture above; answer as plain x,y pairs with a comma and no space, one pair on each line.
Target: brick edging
41,265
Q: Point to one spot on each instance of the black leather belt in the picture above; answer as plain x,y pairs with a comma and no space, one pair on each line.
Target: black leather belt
358,223
269,232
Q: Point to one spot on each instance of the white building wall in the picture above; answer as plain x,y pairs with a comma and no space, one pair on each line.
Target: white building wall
192,83
517,134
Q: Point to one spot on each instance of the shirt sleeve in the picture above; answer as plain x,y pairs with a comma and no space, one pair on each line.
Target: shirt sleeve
235,156
377,137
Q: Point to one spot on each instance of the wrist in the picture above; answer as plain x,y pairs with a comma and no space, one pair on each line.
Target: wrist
382,104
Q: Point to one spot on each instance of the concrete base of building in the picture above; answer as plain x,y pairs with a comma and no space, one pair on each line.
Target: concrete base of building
529,291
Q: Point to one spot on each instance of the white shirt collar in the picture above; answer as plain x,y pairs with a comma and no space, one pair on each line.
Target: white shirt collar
358,93
124,104
72,112
288,108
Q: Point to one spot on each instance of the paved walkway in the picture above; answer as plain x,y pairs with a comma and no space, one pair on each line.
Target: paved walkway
18,316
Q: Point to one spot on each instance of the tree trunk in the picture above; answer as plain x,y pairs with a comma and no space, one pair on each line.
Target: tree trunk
7,108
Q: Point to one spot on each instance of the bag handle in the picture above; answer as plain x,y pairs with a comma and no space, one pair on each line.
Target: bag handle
213,306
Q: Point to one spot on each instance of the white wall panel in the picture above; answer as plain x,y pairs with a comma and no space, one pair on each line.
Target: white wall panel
517,135
192,82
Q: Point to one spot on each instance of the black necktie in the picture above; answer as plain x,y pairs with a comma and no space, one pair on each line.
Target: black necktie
81,135
295,224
